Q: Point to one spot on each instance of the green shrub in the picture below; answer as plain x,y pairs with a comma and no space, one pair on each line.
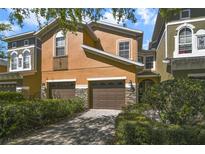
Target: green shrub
179,101
142,131
10,96
16,117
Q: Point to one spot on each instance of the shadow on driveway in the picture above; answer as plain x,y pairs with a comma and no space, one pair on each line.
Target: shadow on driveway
81,130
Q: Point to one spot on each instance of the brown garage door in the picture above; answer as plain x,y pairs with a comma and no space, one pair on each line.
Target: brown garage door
107,94
4,86
61,90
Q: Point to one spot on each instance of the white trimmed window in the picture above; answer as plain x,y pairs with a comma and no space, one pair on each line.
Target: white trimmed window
124,49
185,14
14,61
13,44
26,59
149,62
185,40
201,42
60,44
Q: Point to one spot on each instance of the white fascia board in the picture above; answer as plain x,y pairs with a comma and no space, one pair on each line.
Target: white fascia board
118,26
104,53
185,21
107,78
62,80
25,47
10,37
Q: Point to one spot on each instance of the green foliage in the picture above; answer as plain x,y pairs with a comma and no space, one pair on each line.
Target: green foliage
134,128
179,101
17,117
10,96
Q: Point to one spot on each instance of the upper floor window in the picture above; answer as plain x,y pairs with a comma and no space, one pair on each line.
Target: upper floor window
26,59
26,42
149,62
185,40
14,61
13,44
60,44
185,14
201,42
124,49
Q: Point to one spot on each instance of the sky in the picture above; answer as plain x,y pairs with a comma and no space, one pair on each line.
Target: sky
145,22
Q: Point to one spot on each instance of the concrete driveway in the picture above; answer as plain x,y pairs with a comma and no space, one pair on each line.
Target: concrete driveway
91,127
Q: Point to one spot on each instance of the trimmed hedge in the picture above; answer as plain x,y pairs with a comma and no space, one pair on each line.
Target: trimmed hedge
11,96
16,117
137,129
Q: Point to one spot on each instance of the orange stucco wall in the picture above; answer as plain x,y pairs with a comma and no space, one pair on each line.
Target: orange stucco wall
81,65
3,69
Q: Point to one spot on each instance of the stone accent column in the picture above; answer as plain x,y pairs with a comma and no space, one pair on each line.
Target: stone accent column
130,93
82,93
43,91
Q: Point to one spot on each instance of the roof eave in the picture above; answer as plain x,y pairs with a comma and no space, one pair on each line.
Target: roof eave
111,56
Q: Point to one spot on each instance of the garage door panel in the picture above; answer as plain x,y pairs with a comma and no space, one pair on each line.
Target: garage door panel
62,90
108,94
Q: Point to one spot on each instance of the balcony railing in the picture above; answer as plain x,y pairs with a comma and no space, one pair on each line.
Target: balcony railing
188,63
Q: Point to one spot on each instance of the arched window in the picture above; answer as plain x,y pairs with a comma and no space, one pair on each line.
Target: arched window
26,59
14,61
185,40
60,44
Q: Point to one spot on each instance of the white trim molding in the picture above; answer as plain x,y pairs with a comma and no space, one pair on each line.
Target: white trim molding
197,75
107,78
61,80
130,46
195,51
81,86
25,47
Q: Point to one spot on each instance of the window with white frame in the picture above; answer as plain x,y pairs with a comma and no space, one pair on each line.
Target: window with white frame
201,42
20,61
185,14
149,62
60,44
13,44
124,49
26,60
26,42
14,61
185,41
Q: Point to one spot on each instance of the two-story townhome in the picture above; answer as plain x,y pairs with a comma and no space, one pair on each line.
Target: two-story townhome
23,67
180,44
98,63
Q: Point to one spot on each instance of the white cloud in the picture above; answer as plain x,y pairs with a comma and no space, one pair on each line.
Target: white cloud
148,16
108,17
32,20
146,44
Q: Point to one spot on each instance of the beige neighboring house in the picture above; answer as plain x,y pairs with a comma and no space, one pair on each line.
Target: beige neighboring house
179,43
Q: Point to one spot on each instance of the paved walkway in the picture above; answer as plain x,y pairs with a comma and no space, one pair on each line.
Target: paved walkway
92,127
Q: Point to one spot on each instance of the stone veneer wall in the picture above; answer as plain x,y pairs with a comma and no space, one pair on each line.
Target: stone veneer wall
82,93
130,95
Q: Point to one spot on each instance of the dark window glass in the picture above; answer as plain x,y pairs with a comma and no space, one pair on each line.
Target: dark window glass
185,41
201,42
149,62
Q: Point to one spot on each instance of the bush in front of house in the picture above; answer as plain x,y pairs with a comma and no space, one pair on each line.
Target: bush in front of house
172,112
179,101
135,128
17,117
10,96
